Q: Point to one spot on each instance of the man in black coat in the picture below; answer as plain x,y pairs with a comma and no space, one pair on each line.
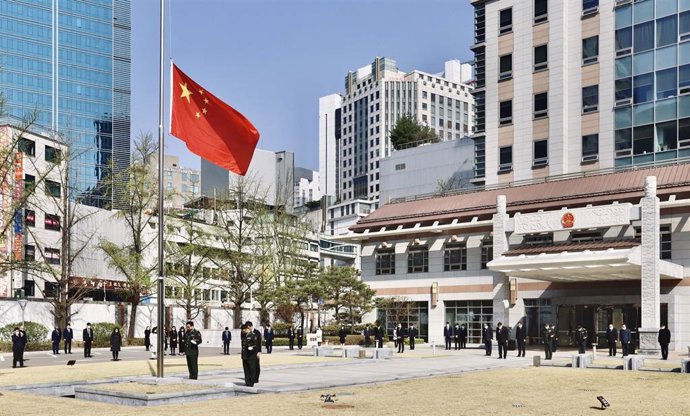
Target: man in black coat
487,337
401,333
520,336
664,339
625,337
291,338
341,335
611,338
87,337
456,337
463,336
56,336
18,345
546,335
379,336
67,335
447,334
300,335
502,335
367,336
147,337
581,337
227,337
413,334
268,335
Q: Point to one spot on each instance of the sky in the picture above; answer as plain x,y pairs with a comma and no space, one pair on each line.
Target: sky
272,59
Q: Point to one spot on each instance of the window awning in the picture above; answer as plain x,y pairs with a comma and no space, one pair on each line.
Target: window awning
610,264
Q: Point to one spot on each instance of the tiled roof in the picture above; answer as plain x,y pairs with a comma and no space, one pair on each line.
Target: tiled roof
568,246
550,194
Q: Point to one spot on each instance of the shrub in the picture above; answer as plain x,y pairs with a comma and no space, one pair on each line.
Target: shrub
35,332
6,346
281,328
349,340
101,333
135,342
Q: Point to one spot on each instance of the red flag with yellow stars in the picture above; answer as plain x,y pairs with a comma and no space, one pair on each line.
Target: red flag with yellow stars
209,127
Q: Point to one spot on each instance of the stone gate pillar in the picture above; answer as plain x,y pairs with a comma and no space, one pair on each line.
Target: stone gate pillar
650,292
501,283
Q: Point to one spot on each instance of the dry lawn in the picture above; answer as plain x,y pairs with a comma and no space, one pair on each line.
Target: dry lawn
538,391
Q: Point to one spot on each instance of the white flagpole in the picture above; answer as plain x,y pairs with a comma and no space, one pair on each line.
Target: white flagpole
161,149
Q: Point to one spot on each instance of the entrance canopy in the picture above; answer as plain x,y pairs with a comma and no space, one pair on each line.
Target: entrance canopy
582,266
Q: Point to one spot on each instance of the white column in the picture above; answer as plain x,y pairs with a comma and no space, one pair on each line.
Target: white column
500,240
651,286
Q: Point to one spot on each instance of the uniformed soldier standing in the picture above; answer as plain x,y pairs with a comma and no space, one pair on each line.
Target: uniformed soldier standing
192,339
249,358
581,337
546,338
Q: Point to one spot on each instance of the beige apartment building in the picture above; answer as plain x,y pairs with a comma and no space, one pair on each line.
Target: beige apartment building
573,86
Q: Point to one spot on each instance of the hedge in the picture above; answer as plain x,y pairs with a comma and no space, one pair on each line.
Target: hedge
35,332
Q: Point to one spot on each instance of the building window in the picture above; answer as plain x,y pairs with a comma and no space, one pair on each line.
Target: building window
666,31
52,154
506,21
541,57
590,148
26,146
505,112
541,105
624,41
487,252
29,182
665,247
684,26
538,239
52,255
541,153
29,288
590,7
643,37
455,257
53,189
644,88
50,289
385,262
586,236
29,252
471,313
418,260
590,99
505,159
52,222
643,140
29,218
541,11
505,67
590,50
666,82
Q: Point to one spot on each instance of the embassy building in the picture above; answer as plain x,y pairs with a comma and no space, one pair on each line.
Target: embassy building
588,250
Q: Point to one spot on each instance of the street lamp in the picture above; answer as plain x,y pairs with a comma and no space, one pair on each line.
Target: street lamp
22,304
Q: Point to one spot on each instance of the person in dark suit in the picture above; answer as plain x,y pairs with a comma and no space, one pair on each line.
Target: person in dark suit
268,335
379,336
447,334
115,343
581,338
180,338
250,359
520,337
192,340
625,337
300,336
256,332
487,338
456,337
67,335
18,345
291,338
147,337
227,337
56,336
87,337
664,339
554,338
413,333
546,339
367,336
401,333
173,340
611,338
502,335
341,335
463,336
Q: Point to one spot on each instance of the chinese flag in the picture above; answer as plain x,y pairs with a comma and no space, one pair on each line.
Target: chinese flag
209,127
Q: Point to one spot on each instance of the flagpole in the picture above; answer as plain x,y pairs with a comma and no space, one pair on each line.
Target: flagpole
161,149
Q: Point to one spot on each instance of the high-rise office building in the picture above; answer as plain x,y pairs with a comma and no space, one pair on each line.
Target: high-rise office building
572,86
354,127
69,61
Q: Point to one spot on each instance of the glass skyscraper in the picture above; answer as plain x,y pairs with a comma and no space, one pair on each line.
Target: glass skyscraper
69,61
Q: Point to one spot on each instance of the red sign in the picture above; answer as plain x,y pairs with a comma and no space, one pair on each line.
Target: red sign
568,220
